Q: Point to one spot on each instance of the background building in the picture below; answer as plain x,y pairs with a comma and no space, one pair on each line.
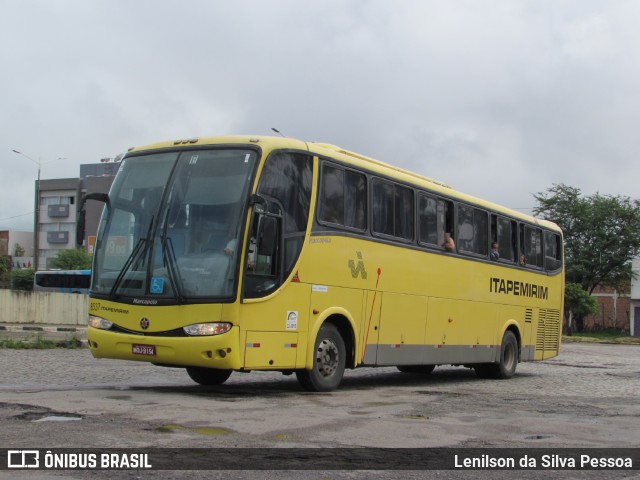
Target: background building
56,218
613,311
635,298
9,239
59,200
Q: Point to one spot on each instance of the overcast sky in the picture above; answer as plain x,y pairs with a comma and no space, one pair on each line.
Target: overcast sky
500,99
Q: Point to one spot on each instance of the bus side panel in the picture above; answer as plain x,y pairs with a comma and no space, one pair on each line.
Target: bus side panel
461,331
523,316
548,333
271,350
279,324
370,329
402,330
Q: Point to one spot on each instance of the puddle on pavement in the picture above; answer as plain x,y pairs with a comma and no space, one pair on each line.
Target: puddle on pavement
56,418
415,416
212,431
469,418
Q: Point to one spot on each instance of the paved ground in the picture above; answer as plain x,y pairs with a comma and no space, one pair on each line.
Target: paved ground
586,397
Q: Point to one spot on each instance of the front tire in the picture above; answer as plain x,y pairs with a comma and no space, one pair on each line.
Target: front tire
329,362
208,376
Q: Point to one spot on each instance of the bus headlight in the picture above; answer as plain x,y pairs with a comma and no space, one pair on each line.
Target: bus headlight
204,329
99,322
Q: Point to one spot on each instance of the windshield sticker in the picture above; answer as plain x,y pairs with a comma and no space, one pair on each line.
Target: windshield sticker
193,160
292,320
157,285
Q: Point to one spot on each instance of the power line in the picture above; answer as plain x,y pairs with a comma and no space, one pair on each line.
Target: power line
16,216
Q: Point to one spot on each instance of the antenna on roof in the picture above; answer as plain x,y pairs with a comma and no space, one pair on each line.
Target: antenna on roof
278,132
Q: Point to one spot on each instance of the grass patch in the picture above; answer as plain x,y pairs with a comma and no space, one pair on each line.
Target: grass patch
40,343
604,336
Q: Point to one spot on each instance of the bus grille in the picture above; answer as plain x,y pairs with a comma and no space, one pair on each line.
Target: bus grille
548,329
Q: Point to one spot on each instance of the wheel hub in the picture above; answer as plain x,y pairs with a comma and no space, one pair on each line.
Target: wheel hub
327,357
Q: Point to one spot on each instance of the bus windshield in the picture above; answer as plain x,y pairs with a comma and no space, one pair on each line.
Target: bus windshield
172,229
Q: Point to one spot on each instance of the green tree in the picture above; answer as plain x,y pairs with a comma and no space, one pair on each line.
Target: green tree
601,234
22,279
5,264
578,303
76,259
18,250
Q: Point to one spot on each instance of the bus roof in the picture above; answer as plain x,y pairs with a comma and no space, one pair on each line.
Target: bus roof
269,143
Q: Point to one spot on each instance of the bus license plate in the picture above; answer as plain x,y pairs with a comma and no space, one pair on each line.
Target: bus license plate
143,349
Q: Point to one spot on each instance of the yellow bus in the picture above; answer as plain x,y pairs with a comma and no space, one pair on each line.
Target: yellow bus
244,253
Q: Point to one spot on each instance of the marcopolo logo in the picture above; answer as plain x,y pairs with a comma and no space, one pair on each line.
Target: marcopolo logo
23,459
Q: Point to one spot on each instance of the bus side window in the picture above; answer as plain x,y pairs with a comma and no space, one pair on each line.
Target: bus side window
343,198
505,232
393,210
444,219
531,246
552,251
473,230
428,220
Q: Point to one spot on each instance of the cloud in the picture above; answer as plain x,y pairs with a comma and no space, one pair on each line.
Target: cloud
499,99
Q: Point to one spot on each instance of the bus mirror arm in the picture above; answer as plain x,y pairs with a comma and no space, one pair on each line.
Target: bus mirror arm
257,200
80,229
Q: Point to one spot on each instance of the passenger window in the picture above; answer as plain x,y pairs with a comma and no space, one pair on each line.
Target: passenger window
343,198
287,177
393,210
505,232
332,195
383,208
530,246
428,220
473,230
552,251
435,217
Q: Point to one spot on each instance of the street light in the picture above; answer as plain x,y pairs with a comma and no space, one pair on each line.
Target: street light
36,232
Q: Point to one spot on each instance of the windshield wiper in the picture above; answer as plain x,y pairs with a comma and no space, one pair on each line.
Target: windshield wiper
169,260
140,247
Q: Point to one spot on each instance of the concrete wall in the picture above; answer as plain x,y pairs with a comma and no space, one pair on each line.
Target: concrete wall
43,308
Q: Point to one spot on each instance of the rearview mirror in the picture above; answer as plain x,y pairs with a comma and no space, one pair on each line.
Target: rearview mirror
268,236
82,214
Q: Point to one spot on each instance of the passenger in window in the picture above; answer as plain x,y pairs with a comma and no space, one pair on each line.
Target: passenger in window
494,254
449,245
523,260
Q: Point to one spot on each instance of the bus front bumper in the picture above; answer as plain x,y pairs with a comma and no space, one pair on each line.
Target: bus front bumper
216,351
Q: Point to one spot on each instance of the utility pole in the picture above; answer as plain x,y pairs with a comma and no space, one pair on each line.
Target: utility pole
36,230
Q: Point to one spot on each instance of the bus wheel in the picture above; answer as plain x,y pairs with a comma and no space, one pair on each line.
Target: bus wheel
423,369
329,362
506,367
208,376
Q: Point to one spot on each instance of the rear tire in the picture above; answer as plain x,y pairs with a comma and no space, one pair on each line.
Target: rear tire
329,362
506,366
208,376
